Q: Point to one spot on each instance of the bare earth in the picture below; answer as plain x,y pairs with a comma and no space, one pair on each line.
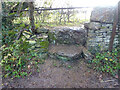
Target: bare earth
60,74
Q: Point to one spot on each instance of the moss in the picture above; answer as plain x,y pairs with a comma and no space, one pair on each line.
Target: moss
62,58
51,37
103,27
43,55
44,45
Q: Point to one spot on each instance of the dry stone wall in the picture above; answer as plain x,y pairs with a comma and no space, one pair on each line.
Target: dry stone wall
69,35
100,28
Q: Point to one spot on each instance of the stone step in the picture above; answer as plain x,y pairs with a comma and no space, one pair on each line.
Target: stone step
65,52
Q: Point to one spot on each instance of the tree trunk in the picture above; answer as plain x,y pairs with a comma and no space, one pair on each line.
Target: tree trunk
31,17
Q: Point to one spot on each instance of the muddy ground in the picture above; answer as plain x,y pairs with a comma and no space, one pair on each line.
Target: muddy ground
60,74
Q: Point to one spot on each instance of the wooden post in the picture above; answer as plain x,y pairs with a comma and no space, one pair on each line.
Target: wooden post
115,22
60,20
31,12
68,15
1,43
119,41
119,20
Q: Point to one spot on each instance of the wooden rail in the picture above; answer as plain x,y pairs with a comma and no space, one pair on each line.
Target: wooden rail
43,9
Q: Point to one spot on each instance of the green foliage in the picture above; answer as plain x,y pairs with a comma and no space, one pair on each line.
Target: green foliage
15,58
17,54
8,36
107,61
8,14
55,64
6,20
95,49
44,45
52,37
62,58
9,29
69,66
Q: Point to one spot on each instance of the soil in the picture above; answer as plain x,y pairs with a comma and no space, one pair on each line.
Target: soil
63,74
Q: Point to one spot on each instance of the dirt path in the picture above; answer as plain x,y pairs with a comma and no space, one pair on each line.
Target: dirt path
59,74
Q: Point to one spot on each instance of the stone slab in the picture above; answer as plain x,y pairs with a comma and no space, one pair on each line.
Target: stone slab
65,51
103,14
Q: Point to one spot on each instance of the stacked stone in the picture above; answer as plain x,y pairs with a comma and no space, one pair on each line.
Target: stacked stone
100,28
39,42
68,35
67,42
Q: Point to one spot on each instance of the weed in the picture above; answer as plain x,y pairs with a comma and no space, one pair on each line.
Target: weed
69,66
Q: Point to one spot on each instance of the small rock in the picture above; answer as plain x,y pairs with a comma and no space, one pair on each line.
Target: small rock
93,25
88,56
42,30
